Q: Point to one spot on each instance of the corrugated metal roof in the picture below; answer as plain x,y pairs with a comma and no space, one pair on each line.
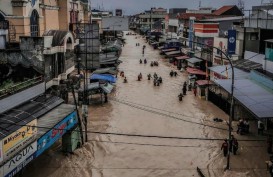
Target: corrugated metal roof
221,69
173,53
53,117
21,115
254,97
194,60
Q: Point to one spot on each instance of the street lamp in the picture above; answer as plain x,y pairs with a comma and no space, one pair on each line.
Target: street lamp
231,94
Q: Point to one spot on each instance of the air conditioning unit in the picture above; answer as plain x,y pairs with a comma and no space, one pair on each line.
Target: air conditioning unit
48,41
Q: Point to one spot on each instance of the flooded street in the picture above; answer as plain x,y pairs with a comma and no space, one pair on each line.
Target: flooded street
175,136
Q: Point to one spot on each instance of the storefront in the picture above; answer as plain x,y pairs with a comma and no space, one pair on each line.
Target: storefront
19,161
53,125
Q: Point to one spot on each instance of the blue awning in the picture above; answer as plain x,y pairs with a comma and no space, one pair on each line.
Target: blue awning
105,77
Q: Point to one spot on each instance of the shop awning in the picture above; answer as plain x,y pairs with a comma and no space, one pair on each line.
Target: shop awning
53,117
106,71
194,60
105,77
225,70
185,57
173,53
251,95
204,82
195,71
169,50
107,88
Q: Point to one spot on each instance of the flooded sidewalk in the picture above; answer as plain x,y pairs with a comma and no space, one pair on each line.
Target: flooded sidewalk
174,136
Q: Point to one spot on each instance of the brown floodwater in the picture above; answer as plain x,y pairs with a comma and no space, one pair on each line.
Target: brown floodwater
139,107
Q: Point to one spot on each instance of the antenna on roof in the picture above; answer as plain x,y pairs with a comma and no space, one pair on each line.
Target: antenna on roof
241,5
199,4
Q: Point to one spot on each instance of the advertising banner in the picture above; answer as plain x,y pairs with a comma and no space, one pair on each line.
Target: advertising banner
19,139
19,160
231,42
1,152
55,133
191,32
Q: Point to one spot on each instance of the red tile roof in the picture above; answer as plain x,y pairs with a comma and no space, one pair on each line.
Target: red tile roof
195,71
222,10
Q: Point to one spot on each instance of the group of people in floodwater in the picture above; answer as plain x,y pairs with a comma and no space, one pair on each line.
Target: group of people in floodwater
145,61
154,63
184,90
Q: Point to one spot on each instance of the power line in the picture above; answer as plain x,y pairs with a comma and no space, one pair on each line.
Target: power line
166,115
137,135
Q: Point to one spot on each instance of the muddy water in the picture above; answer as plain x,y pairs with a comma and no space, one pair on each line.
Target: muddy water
138,107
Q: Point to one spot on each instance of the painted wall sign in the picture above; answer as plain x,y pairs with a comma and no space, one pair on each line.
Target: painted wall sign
1,152
19,139
19,161
231,42
57,132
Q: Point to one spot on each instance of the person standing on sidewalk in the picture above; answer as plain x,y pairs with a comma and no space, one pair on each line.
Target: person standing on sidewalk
225,147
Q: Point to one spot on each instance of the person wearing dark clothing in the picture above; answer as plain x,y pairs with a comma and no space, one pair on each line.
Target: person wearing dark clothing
225,148
175,73
155,81
184,90
145,61
158,82
269,144
185,84
180,97
171,73
235,146
160,79
155,75
125,80
152,63
149,76
140,61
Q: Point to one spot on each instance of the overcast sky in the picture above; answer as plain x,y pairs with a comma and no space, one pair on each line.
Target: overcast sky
136,6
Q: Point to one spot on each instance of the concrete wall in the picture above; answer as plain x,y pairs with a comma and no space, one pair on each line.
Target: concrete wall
268,66
64,15
21,97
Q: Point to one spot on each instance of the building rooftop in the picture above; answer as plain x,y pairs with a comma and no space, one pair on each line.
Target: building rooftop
222,10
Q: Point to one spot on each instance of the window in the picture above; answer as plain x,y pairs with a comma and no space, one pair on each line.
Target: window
34,24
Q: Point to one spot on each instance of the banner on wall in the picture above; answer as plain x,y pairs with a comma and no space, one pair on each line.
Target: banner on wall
1,152
231,42
19,139
55,133
191,31
20,160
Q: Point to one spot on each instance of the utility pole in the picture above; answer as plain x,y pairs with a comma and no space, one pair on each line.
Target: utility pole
151,20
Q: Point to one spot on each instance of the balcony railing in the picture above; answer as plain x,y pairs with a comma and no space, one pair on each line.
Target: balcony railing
20,86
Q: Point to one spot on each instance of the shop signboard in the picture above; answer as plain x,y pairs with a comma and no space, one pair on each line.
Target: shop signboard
55,133
19,139
191,31
1,152
20,160
231,42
